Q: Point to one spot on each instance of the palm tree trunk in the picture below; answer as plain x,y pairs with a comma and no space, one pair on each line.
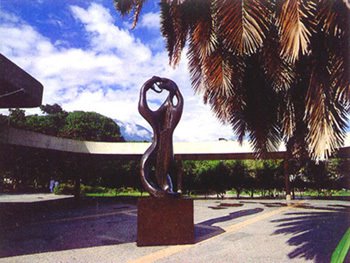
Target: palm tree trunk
286,175
77,189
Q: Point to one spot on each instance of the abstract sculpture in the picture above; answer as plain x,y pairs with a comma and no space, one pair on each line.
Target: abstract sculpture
157,163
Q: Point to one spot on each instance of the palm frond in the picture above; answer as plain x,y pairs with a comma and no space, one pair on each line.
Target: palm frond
292,110
219,72
201,42
327,100
333,16
287,116
242,24
213,69
239,125
126,6
167,27
326,117
181,29
201,20
177,2
296,23
340,74
137,11
195,66
280,72
213,87
334,20
257,113
223,75
219,106
175,25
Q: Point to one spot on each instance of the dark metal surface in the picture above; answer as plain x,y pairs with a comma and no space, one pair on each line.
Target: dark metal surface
18,89
159,157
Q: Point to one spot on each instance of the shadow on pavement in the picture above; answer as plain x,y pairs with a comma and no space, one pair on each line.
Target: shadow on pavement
301,205
206,229
84,226
315,234
222,205
70,228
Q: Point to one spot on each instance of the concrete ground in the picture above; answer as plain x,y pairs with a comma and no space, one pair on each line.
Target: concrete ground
30,198
225,231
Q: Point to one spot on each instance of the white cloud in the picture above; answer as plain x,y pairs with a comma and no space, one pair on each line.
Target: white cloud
150,21
133,129
106,37
9,17
105,77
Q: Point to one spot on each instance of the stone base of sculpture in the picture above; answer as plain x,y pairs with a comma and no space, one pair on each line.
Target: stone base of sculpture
164,221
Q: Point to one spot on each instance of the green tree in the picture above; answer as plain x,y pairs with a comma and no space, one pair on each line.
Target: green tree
75,125
239,176
3,120
33,168
17,118
270,177
318,175
90,126
210,177
342,173
220,179
188,181
52,109
202,178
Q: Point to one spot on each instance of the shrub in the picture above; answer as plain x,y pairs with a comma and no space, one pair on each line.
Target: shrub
64,189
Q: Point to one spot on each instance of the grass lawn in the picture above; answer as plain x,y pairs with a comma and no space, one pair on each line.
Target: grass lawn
327,193
99,191
115,193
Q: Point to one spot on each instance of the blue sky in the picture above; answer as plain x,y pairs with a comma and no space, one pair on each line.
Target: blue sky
88,58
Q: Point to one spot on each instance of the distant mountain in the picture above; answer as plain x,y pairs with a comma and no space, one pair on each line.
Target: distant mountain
134,132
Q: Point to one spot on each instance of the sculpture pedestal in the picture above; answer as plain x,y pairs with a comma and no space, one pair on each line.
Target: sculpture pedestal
164,221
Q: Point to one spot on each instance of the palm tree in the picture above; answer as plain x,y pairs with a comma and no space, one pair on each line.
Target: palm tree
274,70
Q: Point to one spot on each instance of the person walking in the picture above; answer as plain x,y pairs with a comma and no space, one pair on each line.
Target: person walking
52,185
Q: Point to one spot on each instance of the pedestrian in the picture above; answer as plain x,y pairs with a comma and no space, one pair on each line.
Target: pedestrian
52,185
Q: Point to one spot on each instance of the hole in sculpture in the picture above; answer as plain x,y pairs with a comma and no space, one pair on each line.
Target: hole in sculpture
174,100
155,100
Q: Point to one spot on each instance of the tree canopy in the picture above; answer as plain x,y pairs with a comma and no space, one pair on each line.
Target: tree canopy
78,125
274,70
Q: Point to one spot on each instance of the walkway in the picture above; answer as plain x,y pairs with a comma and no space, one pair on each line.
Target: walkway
226,231
30,198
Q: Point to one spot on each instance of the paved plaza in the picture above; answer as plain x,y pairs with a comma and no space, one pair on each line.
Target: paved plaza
247,230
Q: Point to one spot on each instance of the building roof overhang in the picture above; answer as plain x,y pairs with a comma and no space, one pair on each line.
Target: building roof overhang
18,89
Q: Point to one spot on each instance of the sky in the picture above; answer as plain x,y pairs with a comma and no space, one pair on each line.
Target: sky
88,58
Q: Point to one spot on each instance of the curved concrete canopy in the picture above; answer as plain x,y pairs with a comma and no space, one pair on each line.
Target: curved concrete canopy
218,150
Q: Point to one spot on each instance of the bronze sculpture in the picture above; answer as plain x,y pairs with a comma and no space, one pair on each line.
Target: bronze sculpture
159,157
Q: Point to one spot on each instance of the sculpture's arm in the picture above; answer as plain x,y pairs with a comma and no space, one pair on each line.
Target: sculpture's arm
144,110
